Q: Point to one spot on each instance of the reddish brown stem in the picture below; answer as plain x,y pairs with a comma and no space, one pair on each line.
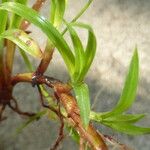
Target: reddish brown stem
24,77
36,6
49,48
48,53
90,134
2,74
9,58
82,147
62,92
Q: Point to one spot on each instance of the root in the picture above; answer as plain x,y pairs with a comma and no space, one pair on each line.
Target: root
58,113
43,104
62,92
61,132
17,109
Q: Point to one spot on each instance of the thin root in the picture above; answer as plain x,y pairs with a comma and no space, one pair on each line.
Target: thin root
58,113
61,132
43,104
17,109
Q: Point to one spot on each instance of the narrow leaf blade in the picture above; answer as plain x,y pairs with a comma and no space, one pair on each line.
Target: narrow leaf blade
23,40
15,20
26,60
57,11
128,128
30,120
3,20
90,48
130,118
124,118
73,133
82,96
130,87
79,53
55,37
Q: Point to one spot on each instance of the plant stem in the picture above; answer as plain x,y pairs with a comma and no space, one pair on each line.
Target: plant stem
69,103
9,57
36,6
82,147
90,134
50,48
63,94
3,22
24,77
1,64
48,53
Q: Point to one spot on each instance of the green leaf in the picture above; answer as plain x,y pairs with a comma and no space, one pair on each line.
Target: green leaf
96,116
89,51
79,53
82,96
23,40
57,12
26,60
31,119
3,20
73,133
127,128
3,23
79,14
55,37
124,118
130,87
47,96
121,123
118,118
4,1
15,19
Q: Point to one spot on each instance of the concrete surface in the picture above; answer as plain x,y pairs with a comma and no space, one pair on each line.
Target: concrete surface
119,25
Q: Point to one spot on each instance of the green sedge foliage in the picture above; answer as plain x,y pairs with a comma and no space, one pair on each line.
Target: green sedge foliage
23,40
78,60
57,12
59,42
34,118
117,119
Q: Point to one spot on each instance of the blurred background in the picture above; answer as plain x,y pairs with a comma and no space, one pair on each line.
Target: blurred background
120,26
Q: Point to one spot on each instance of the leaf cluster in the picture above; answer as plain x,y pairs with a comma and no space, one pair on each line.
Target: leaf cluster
78,60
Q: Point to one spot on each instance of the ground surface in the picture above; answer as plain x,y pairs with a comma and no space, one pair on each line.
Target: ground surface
119,25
